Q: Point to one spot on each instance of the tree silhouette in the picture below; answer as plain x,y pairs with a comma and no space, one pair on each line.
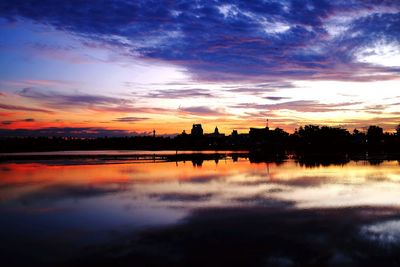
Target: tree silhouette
374,135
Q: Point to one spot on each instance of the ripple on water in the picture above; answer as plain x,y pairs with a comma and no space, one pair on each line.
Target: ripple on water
385,233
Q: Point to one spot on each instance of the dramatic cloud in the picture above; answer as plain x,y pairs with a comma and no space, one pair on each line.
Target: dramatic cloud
234,40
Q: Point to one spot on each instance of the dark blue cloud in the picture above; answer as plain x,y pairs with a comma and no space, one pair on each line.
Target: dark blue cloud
369,30
221,40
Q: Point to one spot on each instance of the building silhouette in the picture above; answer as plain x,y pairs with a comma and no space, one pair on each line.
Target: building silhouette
217,134
197,130
258,133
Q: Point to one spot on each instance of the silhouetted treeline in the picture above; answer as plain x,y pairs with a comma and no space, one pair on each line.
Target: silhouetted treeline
310,138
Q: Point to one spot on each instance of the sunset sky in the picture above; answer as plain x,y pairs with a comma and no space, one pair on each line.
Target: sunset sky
118,67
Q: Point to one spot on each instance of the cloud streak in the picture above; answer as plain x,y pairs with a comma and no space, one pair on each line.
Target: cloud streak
300,105
201,111
9,122
23,108
78,100
130,119
181,93
59,99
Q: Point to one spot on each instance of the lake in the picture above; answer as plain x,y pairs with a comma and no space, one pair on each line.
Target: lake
223,212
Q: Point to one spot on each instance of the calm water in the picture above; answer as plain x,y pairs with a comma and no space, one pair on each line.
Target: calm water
60,211
111,153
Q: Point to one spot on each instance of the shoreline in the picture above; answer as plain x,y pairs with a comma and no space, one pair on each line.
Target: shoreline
187,155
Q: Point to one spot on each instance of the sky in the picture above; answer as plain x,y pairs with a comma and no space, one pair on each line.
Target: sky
119,67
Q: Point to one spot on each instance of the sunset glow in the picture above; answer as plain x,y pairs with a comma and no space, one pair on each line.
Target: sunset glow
127,67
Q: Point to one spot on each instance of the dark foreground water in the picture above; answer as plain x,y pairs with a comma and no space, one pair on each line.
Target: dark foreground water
91,212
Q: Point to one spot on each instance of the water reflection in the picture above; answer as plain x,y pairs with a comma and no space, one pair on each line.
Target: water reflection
386,233
83,204
196,184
